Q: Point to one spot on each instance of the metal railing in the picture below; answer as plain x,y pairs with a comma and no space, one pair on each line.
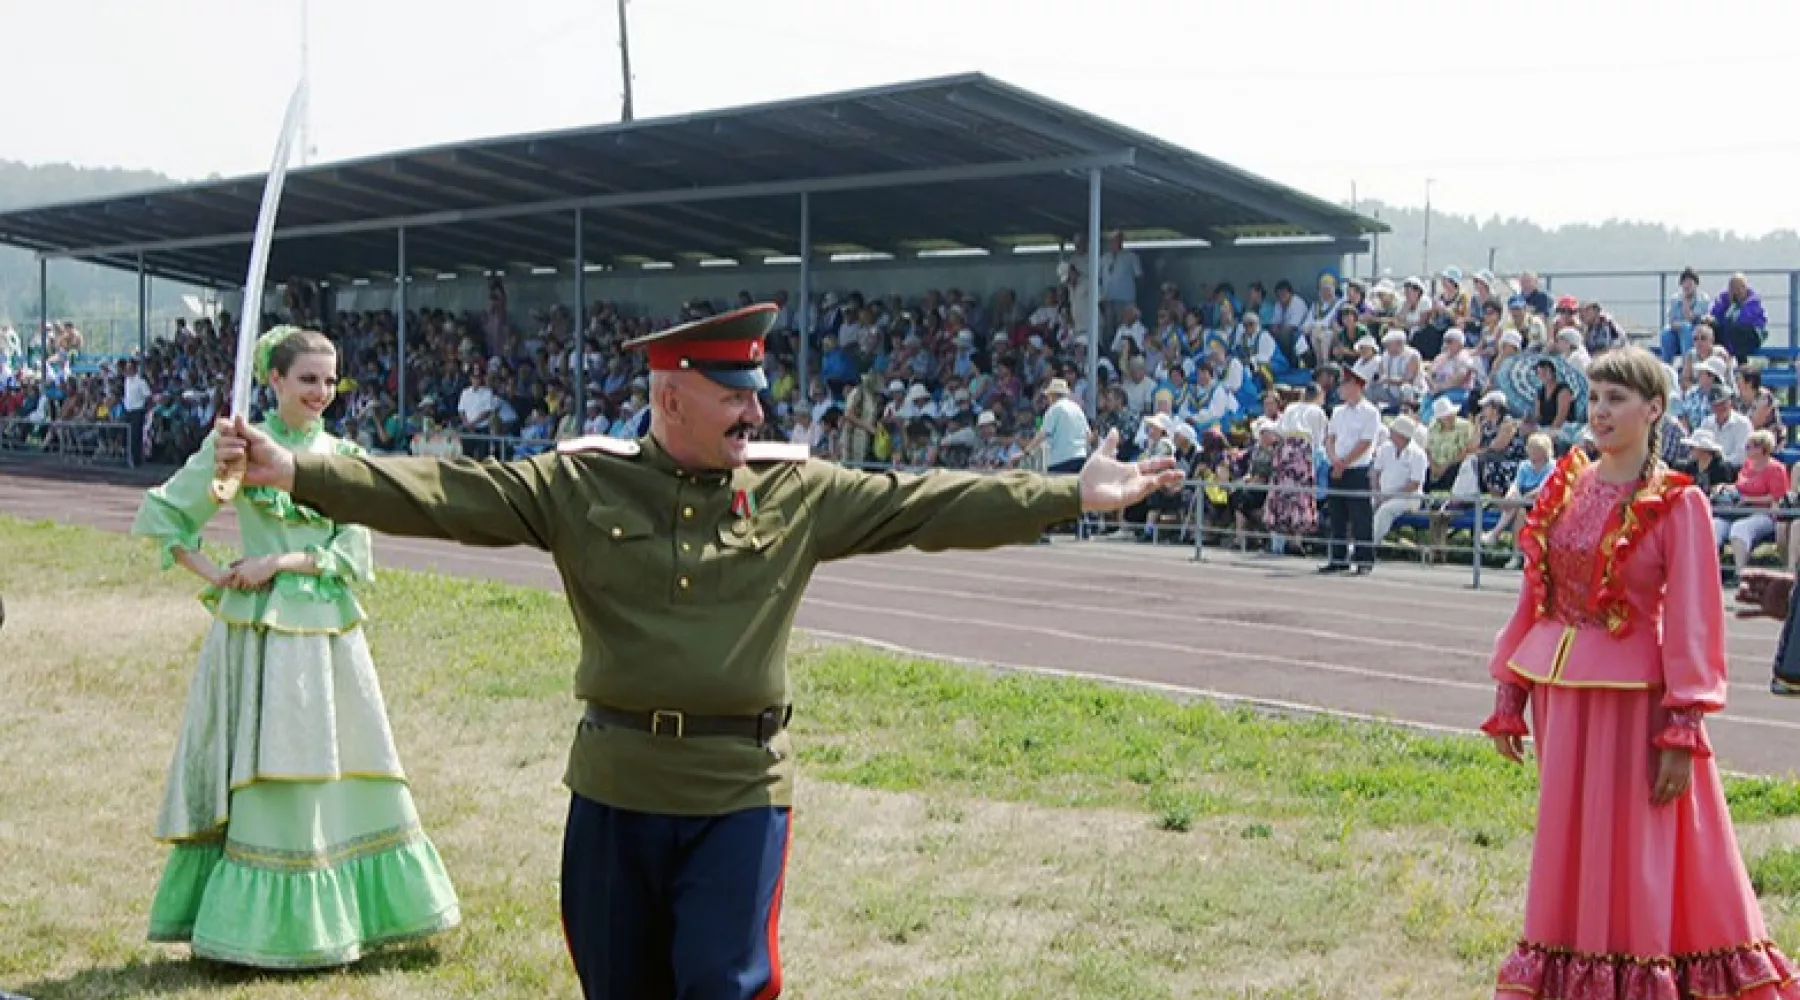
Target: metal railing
83,442
1434,512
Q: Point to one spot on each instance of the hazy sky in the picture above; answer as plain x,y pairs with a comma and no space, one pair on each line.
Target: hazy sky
1555,110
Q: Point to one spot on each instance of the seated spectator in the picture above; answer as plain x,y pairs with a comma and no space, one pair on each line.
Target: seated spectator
1738,509
1217,407
1285,322
1449,441
1211,471
1731,428
1401,366
1706,462
1695,405
1555,403
1570,343
1600,332
1765,415
1455,372
1685,309
1528,478
1738,318
1527,324
1398,475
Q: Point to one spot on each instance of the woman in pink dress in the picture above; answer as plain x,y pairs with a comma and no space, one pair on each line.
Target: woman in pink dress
1637,889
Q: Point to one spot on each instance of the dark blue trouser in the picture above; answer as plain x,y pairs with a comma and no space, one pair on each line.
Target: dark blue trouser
682,907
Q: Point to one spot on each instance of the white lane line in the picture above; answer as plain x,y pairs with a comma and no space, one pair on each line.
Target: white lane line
1161,647
1463,653
1159,687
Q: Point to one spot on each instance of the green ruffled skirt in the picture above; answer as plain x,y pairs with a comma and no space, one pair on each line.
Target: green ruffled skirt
317,855
308,875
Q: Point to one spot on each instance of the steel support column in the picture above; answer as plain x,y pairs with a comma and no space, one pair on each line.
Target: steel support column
1093,281
143,308
580,323
803,308
400,327
44,320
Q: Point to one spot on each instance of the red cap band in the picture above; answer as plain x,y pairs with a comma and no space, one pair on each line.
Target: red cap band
669,357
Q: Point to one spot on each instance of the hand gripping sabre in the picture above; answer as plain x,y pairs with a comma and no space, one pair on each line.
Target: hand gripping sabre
227,477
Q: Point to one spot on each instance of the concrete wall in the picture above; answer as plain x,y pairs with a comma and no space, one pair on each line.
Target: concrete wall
660,293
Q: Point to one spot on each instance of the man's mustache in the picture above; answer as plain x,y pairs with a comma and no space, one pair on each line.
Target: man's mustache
741,427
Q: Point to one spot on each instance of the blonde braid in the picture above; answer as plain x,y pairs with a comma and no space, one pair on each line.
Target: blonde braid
1652,464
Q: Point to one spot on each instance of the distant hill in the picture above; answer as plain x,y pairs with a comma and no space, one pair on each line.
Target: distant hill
102,301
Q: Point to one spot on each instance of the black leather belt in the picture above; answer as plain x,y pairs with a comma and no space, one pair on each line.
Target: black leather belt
761,727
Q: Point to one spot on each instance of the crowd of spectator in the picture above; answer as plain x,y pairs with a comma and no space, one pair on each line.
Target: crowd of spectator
1477,382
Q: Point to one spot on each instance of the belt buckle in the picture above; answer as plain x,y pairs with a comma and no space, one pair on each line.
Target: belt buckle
658,715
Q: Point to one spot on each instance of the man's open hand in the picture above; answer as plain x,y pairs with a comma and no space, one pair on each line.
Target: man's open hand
1108,484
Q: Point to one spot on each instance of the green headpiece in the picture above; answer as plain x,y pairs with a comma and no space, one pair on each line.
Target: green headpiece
265,349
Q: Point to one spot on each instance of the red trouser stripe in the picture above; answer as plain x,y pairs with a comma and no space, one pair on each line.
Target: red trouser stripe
773,989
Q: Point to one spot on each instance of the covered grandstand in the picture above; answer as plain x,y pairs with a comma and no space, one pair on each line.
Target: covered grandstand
964,170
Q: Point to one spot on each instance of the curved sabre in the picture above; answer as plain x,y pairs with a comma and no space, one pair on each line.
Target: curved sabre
226,481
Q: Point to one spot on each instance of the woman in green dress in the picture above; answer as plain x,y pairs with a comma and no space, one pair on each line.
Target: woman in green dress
295,841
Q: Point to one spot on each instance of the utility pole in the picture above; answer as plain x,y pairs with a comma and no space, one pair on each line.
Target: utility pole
1375,264
625,60
1425,264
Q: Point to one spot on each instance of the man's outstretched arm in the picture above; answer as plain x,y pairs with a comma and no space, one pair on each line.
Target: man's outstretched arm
864,513
476,503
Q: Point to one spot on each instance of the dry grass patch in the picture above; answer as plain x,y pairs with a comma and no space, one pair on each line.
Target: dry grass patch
958,834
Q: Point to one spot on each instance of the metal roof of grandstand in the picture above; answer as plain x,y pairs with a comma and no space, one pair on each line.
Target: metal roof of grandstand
956,163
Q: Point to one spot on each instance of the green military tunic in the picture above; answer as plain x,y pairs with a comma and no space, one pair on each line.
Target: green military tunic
683,584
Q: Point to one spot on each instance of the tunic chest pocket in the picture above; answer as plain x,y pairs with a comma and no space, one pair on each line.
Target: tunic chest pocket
750,560
622,549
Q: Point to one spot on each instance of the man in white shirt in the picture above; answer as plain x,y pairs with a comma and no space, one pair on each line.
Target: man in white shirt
1064,433
476,407
136,399
1140,388
1290,317
1400,470
1729,426
1131,327
1350,439
1120,271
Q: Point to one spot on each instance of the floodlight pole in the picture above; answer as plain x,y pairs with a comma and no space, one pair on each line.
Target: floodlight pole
625,61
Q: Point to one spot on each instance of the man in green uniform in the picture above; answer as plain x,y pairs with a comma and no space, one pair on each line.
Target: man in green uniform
684,556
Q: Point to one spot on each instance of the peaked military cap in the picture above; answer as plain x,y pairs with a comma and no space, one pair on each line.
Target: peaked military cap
727,348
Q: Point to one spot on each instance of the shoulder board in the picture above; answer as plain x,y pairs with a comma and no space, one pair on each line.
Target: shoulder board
604,443
776,451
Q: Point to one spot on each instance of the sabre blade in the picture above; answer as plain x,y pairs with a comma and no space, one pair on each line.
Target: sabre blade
250,323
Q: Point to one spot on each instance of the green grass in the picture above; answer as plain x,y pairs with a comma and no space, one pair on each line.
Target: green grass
960,832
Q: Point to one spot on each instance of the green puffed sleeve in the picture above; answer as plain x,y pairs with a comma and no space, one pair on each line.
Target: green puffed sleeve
174,513
346,556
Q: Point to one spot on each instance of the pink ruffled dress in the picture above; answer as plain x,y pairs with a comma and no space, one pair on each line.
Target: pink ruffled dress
1627,900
